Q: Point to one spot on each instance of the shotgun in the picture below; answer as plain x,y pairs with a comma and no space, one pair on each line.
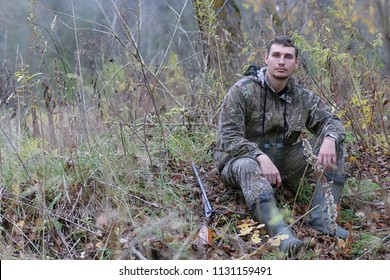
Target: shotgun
205,234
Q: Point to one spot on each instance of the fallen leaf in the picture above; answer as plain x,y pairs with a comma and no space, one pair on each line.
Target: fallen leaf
245,229
19,227
341,243
261,226
275,241
20,224
169,239
123,240
375,216
352,159
90,246
381,225
255,239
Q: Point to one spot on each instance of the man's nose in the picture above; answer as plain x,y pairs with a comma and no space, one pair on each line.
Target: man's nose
281,60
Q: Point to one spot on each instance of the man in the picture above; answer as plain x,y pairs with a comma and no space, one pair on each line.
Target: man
258,147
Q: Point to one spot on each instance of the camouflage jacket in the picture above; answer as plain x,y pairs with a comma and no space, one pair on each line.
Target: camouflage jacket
244,123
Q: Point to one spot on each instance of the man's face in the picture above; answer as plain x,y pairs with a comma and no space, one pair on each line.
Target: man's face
281,61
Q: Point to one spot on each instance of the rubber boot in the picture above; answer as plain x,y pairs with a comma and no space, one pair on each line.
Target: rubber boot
319,217
264,209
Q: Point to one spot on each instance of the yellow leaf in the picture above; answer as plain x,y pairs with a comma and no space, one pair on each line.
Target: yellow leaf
341,243
352,159
38,222
248,221
245,229
19,227
21,224
255,239
309,23
275,241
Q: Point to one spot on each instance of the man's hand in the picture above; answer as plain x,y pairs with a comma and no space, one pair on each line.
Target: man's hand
270,172
327,157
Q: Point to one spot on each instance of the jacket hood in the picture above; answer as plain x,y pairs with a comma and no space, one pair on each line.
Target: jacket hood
256,73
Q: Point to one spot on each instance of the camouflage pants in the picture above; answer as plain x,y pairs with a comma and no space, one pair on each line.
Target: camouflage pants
245,173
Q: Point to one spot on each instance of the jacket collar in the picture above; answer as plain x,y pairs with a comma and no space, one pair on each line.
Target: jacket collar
261,78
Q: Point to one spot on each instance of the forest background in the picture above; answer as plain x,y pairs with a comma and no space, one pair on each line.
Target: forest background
105,104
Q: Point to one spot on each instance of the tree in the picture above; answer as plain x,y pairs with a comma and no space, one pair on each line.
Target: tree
383,8
220,31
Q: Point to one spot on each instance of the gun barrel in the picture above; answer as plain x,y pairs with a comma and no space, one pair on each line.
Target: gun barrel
209,211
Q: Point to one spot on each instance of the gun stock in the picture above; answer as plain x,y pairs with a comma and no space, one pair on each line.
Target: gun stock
205,234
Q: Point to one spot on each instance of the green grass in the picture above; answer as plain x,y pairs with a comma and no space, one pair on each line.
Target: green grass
367,243
63,190
364,189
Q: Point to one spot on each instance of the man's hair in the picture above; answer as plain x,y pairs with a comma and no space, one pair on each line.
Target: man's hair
284,41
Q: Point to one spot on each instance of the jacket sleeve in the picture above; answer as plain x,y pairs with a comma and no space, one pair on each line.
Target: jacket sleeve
322,121
231,131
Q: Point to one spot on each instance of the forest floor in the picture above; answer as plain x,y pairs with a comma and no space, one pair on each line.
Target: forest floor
364,212
91,206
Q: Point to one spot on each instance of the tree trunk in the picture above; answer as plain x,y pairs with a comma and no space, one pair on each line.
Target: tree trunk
384,20
220,28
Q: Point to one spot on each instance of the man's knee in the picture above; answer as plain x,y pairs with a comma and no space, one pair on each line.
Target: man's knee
245,165
240,169
249,177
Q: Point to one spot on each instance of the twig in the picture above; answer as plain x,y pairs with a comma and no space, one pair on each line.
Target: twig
61,235
179,16
137,253
136,54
